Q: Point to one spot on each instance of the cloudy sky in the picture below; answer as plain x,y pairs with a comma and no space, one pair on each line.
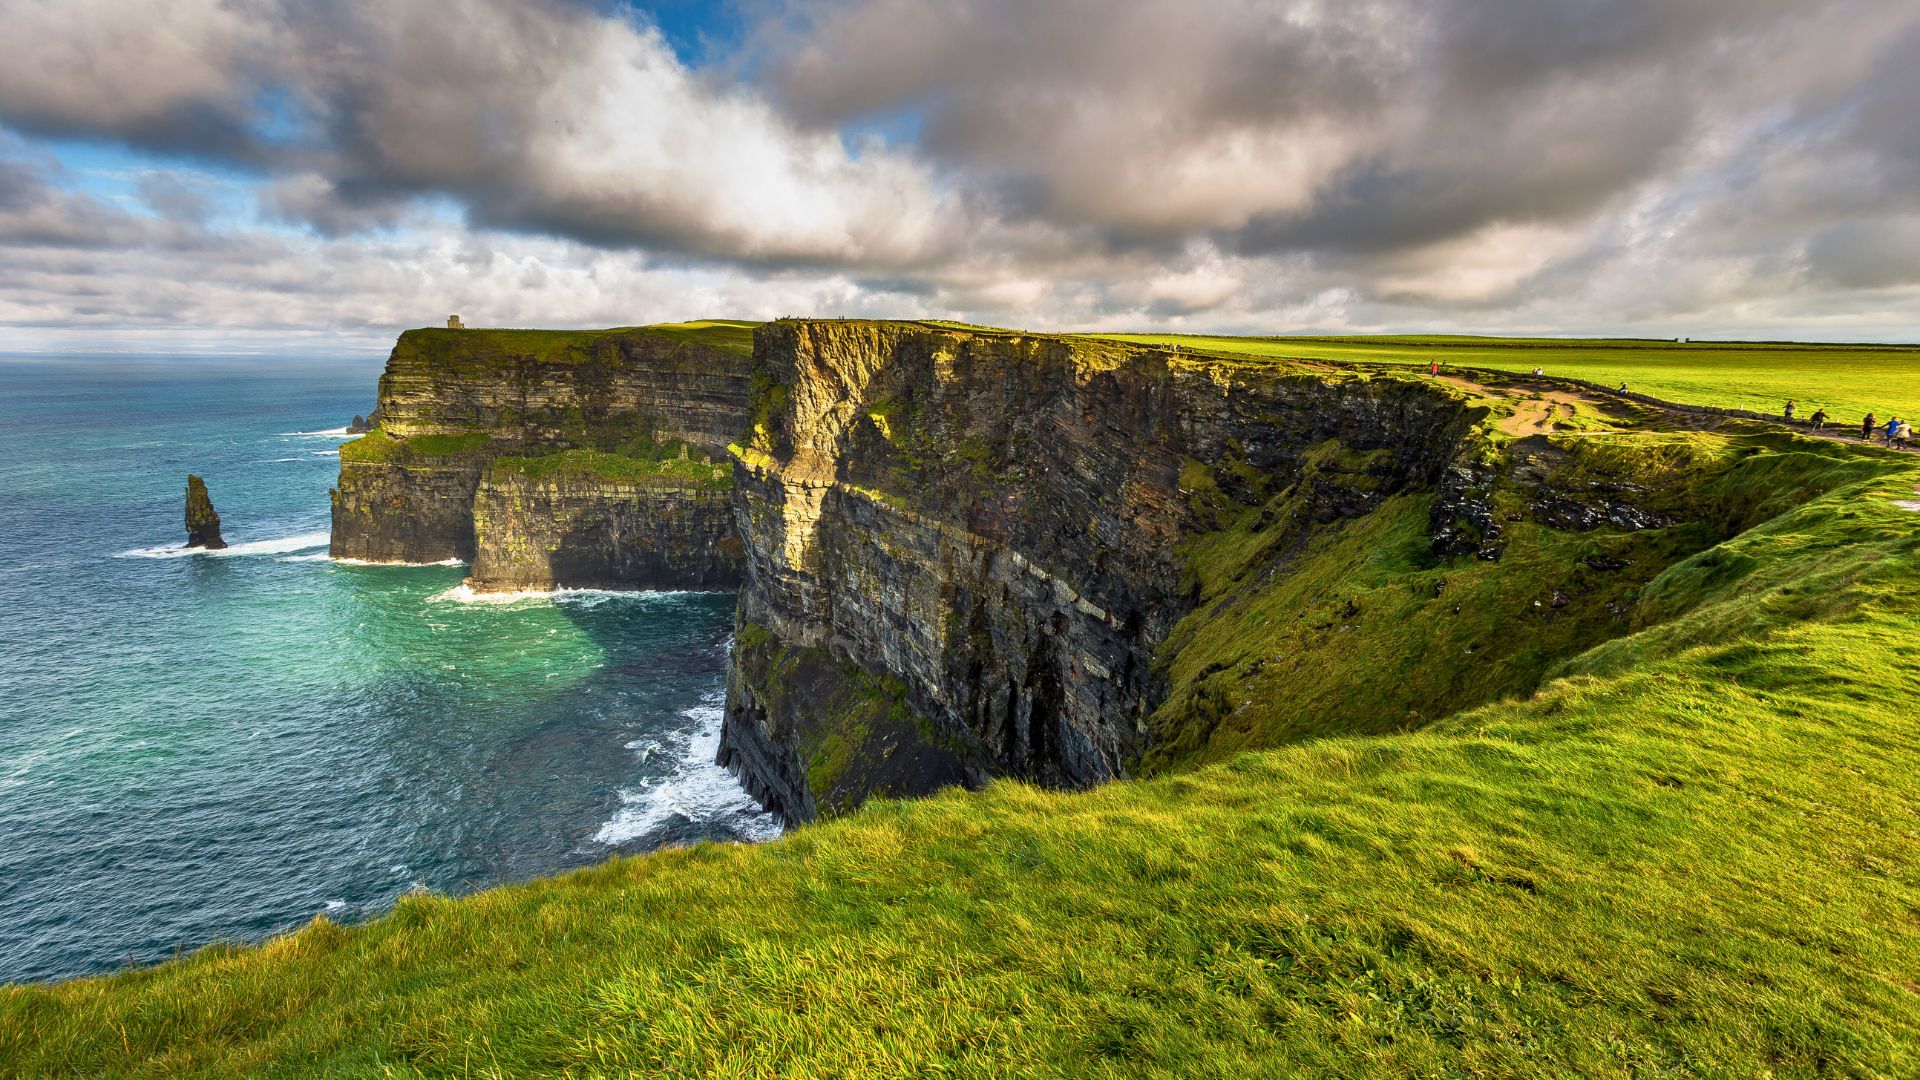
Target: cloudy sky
321,173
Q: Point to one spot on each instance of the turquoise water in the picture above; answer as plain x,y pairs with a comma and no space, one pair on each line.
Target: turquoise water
205,747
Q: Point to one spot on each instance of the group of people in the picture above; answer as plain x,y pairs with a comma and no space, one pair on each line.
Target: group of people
1894,432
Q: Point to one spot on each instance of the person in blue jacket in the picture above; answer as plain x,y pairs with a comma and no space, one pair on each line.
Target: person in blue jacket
1893,425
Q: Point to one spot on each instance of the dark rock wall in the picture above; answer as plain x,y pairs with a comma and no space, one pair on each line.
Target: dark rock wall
994,520
411,513
534,533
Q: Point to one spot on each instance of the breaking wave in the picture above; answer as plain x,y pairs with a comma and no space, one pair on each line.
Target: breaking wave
277,546
697,790
464,593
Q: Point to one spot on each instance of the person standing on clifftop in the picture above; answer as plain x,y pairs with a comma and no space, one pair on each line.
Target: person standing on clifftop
1434,370
1893,425
1819,419
1866,428
1789,412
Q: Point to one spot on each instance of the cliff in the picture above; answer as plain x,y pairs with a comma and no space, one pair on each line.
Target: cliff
1071,561
996,521
581,517
552,458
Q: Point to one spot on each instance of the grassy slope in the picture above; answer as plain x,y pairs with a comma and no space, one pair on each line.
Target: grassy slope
1846,380
1365,632
1696,854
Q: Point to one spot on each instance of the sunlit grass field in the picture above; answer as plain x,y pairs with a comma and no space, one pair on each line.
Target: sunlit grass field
1846,380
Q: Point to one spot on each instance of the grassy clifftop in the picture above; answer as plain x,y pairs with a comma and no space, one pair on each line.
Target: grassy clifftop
1692,852
442,346
1846,380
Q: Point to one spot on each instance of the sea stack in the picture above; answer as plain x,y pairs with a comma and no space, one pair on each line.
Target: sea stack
203,525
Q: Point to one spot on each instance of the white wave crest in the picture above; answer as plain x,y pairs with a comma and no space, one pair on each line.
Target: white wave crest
398,562
312,556
464,593
277,546
697,790
326,453
330,433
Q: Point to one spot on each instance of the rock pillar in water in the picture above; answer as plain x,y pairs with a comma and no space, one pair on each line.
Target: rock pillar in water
203,525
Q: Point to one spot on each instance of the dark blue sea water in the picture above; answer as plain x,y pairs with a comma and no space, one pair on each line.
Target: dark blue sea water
205,747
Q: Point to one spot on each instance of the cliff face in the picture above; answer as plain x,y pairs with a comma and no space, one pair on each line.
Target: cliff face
562,389
994,522
551,458
533,531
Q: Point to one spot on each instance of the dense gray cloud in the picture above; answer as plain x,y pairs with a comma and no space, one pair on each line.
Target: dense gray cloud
1242,164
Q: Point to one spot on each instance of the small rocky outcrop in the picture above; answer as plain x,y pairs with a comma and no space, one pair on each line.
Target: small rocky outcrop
203,524
360,425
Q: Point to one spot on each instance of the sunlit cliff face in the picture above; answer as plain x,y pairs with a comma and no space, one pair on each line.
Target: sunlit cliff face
233,168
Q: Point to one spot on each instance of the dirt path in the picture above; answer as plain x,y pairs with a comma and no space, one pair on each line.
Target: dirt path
1541,406
1535,411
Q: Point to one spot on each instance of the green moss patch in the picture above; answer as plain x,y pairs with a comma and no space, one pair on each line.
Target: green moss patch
378,447
618,468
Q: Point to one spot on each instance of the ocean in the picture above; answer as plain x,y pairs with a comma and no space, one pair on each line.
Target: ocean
206,747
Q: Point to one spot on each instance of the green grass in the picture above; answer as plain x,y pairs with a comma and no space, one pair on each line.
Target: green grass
1692,852
1365,631
729,334
378,447
1846,380
599,465
481,346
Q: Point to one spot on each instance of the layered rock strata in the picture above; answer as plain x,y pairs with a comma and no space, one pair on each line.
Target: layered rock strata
534,532
436,480
992,522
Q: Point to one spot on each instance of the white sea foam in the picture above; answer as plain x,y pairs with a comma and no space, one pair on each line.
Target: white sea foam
464,593
398,562
329,433
326,453
281,459
697,789
277,546
311,556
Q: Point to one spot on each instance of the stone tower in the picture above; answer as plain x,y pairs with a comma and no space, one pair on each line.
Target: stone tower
454,323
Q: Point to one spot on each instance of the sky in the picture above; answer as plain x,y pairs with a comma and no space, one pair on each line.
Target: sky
319,174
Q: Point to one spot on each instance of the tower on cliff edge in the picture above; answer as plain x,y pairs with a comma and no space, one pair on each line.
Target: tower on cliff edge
454,323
